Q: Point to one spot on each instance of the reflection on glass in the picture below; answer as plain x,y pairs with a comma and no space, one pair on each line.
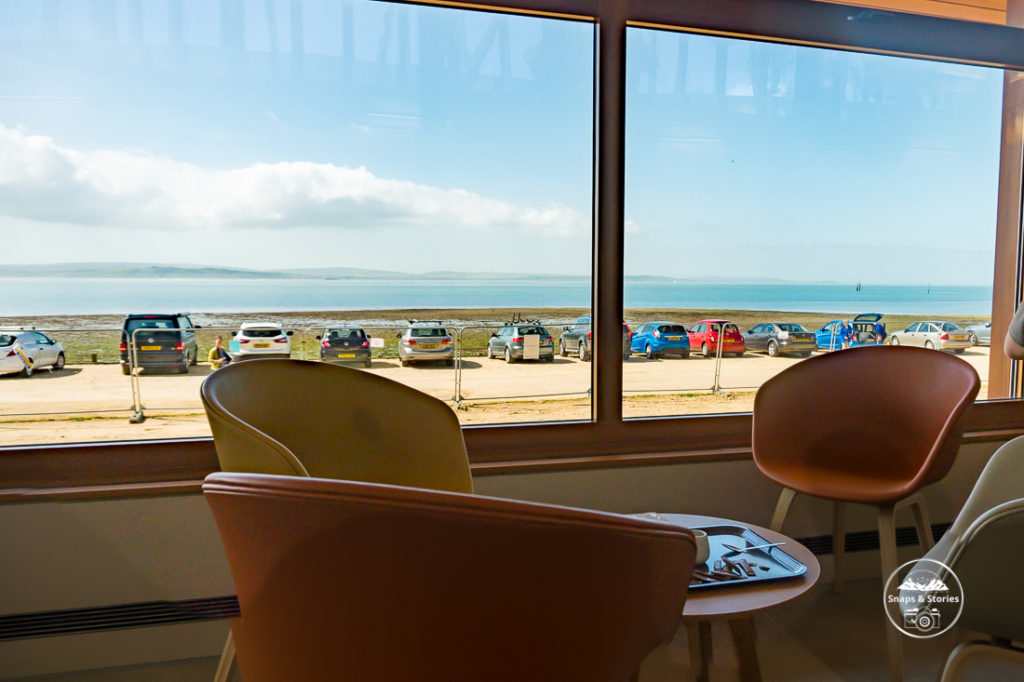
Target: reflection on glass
314,165
800,194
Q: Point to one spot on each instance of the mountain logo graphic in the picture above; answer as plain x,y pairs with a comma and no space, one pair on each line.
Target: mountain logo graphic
933,585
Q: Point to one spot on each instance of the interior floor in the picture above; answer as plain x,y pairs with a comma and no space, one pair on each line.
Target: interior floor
821,638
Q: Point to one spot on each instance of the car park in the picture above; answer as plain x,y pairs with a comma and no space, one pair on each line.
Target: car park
345,344
655,339
426,341
780,338
933,334
161,342
578,339
261,340
25,351
980,334
704,337
827,336
516,341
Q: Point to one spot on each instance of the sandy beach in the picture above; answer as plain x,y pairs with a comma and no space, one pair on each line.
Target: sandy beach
98,398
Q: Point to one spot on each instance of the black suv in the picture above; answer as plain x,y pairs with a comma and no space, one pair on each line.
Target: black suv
164,342
578,338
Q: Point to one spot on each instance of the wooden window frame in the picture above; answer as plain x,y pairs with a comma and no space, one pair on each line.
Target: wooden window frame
163,466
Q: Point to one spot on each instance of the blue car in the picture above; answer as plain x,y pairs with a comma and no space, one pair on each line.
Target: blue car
827,336
654,339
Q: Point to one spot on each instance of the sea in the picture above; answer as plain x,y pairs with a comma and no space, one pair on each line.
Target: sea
29,296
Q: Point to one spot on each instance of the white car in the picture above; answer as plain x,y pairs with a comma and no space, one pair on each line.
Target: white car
261,340
40,350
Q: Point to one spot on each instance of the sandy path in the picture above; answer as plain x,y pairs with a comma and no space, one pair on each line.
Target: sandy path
544,391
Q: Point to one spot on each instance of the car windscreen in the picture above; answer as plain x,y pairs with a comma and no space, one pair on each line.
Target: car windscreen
950,327
418,332
672,329
731,329
527,331
157,323
346,333
6,340
261,333
791,327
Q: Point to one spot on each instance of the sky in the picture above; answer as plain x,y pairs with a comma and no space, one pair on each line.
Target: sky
272,134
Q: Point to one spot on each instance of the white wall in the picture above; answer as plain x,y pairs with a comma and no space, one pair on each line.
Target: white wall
62,555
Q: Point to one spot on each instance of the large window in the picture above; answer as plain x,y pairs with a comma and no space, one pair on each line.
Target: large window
565,182
291,170
775,193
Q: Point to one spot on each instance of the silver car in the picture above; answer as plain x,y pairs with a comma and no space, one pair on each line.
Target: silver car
26,351
933,334
425,342
981,334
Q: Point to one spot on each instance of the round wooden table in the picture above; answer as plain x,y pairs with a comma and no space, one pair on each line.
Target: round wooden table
737,604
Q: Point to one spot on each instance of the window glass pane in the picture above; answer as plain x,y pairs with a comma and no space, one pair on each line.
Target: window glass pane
802,186
302,165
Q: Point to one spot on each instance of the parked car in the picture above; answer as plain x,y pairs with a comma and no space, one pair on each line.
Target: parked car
345,344
827,336
933,334
780,338
704,336
579,339
655,339
262,340
27,351
980,334
511,340
163,341
424,342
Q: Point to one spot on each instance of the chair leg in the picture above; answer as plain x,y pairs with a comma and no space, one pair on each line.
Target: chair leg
887,545
968,652
922,522
838,544
699,637
226,667
782,509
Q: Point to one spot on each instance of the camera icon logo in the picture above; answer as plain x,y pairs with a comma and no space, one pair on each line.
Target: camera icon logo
923,598
922,619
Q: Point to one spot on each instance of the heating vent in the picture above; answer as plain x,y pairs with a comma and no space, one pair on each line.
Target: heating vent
867,540
146,614
76,621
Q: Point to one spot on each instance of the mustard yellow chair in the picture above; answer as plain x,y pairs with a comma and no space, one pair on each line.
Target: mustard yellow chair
301,418
340,580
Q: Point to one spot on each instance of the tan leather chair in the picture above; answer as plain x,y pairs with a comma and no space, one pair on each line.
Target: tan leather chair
983,548
870,425
340,580
301,418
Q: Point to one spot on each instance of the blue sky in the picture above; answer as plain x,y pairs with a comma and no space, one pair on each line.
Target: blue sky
414,138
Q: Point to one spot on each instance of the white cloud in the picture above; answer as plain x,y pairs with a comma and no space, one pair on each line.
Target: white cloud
44,182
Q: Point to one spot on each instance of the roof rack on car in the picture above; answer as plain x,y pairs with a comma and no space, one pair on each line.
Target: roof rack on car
518,318
437,322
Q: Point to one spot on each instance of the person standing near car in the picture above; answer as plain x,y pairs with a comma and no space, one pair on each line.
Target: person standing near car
879,333
845,334
218,356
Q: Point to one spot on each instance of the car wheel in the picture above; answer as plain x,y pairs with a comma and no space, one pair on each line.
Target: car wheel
450,362
195,358
740,354
649,352
561,349
404,363
60,362
508,355
582,352
126,370
895,341
685,354
704,350
929,345
490,356
549,358
805,354
773,349
973,337
958,351
27,372
367,362
184,367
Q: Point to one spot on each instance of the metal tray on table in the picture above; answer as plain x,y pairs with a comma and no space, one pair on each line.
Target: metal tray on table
772,563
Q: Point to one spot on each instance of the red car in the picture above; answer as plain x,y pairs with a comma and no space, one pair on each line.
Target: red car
704,337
